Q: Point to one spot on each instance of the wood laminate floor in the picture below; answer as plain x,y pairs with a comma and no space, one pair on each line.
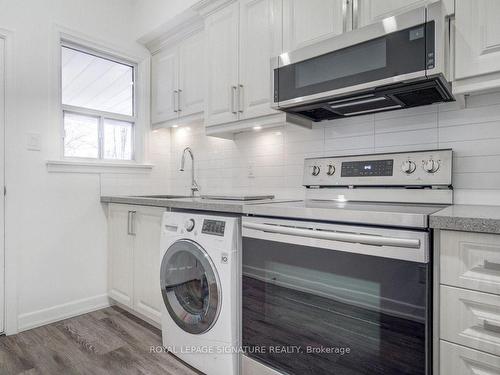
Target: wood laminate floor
108,341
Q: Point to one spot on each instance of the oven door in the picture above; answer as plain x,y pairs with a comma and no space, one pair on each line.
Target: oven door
325,299
399,48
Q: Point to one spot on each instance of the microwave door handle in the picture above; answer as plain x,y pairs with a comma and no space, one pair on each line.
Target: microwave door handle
355,14
345,4
365,239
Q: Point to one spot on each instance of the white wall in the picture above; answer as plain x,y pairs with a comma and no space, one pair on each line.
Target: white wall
150,15
271,161
56,226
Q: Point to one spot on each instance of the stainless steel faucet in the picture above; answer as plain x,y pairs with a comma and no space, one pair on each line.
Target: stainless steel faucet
194,186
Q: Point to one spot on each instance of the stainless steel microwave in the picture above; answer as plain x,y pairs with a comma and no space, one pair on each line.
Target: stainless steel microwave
400,62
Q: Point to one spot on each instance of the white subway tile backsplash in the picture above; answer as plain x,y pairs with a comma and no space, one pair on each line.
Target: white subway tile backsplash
271,160
470,132
410,137
349,143
471,164
474,148
398,124
473,115
479,181
349,129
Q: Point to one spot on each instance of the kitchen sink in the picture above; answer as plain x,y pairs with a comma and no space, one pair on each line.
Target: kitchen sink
163,196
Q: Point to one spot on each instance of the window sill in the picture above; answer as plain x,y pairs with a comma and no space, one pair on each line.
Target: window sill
67,166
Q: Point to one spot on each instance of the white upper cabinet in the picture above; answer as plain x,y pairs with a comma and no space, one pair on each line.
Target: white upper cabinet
258,43
191,75
164,83
241,39
371,11
477,47
306,22
177,81
222,66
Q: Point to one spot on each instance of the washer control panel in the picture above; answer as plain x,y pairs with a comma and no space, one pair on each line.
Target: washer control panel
214,227
416,168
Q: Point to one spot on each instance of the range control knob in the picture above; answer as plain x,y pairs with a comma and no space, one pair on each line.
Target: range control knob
331,170
315,170
189,225
408,167
431,166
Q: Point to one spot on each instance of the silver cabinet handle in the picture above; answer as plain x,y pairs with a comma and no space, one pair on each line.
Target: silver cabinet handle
179,100
175,100
491,326
131,223
233,99
365,239
493,266
355,14
241,102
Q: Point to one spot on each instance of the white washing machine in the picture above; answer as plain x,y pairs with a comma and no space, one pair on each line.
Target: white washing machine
199,284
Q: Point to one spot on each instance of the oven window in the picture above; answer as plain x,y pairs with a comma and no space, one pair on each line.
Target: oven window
315,311
350,61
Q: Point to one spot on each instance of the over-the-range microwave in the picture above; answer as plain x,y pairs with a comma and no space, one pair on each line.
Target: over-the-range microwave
401,62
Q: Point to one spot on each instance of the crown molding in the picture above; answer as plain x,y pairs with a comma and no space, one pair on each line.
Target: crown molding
182,25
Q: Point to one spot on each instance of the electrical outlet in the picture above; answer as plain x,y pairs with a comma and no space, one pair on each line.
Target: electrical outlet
250,172
33,142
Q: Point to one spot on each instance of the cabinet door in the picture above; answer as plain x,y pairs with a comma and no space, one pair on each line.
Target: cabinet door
371,11
222,66
191,75
120,254
257,46
164,84
477,37
147,295
306,22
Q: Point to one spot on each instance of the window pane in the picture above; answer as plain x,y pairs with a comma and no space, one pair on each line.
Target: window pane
81,136
97,83
117,140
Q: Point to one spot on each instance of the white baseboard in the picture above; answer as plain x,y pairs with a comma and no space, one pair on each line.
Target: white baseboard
60,312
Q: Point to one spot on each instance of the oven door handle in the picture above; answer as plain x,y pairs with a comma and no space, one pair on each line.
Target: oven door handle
365,239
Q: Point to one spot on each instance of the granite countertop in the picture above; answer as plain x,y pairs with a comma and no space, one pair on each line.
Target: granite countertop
468,218
196,203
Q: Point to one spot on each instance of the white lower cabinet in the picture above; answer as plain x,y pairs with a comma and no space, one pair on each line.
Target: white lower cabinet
469,303
471,318
459,360
120,254
134,258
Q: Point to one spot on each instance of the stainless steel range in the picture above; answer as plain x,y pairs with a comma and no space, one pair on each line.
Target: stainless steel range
341,283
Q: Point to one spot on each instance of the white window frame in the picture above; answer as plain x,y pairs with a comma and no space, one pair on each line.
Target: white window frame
102,115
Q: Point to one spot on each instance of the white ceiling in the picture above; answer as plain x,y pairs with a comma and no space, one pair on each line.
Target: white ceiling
96,83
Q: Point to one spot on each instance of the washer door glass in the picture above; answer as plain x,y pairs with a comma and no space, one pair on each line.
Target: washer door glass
190,287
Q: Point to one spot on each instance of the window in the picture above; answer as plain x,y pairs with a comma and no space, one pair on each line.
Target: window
97,93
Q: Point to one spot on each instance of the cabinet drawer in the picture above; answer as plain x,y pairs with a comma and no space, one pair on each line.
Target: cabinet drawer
471,260
458,360
470,318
